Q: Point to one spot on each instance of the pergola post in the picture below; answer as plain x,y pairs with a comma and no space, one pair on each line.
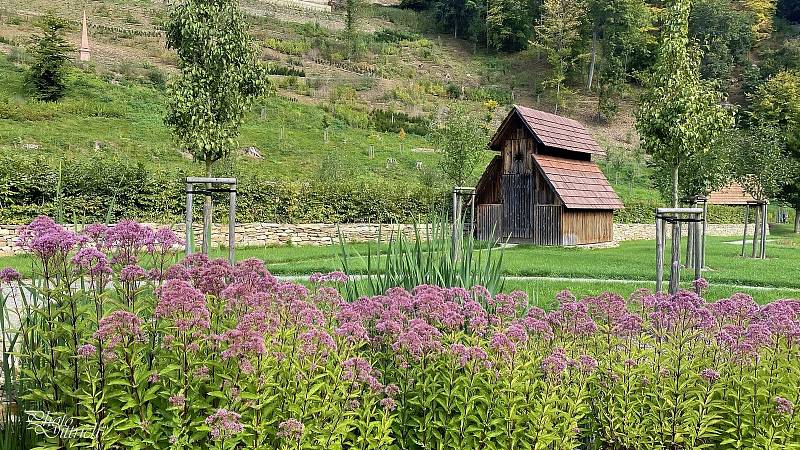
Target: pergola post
232,225
458,221
676,217
189,243
208,189
659,252
746,223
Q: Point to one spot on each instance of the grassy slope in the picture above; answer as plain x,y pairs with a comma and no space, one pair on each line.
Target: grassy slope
128,120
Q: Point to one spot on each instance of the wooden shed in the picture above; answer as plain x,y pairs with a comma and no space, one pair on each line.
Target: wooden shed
543,187
731,195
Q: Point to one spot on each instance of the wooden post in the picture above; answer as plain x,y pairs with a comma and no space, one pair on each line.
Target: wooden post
659,252
456,238
675,273
746,222
690,238
189,244
232,226
703,237
698,265
764,227
208,211
756,213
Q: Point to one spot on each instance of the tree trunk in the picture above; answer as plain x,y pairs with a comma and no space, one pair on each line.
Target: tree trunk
207,213
796,220
675,186
594,58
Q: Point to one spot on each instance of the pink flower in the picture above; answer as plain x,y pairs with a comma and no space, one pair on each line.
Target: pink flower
710,375
131,273
783,406
184,305
9,275
86,351
555,364
177,400
224,423
119,327
388,404
291,430
92,261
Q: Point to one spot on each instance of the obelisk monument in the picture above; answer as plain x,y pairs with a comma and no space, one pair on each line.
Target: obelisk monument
84,50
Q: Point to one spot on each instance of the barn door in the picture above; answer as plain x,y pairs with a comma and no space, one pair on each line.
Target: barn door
517,206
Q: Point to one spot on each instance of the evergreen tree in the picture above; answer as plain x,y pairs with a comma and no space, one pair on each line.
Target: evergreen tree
50,59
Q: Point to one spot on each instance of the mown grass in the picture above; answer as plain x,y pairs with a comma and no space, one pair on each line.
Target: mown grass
587,272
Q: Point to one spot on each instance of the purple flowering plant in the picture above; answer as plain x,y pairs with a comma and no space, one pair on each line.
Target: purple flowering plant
203,354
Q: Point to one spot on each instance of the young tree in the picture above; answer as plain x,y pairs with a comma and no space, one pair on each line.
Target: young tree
50,59
679,117
558,36
460,140
220,78
762,162
353,10
776,103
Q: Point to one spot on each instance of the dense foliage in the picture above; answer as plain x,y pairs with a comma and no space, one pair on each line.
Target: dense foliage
95,190
207,355
90,189
220,77
680,117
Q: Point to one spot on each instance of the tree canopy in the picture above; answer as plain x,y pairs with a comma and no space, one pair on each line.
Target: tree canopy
220,76
679,116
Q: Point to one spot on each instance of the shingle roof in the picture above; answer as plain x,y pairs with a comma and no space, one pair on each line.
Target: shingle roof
555,131
732,194
579,184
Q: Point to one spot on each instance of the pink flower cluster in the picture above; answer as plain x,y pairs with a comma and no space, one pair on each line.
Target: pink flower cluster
224,423
119,327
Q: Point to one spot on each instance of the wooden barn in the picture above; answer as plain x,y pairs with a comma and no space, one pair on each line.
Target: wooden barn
543,187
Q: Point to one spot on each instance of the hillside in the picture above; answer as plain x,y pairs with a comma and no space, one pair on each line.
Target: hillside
403,68
404,74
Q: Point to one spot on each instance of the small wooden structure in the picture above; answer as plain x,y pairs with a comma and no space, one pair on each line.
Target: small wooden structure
734,194
543,187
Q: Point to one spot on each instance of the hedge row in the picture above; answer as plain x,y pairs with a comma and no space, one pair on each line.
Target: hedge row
29,187
89,188
642,211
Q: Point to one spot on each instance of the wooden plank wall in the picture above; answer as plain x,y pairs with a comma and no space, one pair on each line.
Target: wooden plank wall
488,188
517,206
489,218
547,224
587,226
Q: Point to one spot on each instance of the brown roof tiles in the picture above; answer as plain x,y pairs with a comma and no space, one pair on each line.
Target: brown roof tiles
732,194
558,132
579,184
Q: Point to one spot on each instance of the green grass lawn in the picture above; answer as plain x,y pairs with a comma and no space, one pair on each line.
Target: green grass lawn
587,272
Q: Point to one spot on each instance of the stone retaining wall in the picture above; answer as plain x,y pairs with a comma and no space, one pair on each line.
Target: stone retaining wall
261,234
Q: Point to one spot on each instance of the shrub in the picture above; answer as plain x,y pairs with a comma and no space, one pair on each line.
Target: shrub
207,355
393,121
90,186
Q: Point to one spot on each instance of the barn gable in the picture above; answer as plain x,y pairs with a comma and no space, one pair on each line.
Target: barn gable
549,130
